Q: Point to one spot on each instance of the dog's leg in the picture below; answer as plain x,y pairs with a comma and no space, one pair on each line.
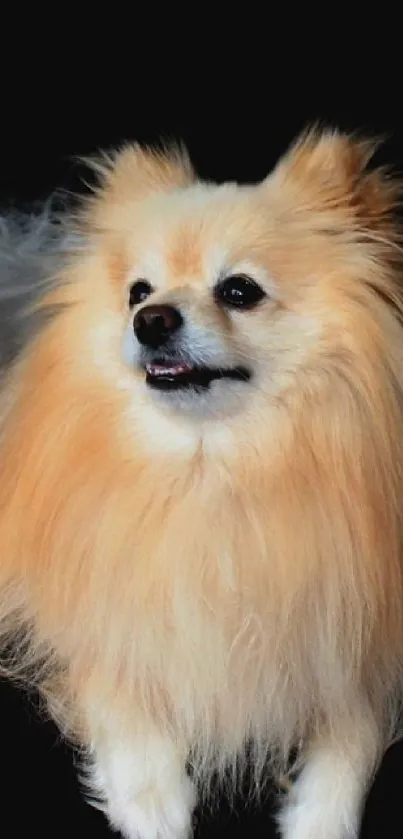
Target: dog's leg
327,799
142,786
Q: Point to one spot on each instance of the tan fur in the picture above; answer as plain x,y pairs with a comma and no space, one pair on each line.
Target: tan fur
238,578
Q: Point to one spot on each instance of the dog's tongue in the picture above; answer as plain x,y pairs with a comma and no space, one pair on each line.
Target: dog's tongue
168,369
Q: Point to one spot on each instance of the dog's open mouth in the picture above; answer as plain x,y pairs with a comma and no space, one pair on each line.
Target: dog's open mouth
172,376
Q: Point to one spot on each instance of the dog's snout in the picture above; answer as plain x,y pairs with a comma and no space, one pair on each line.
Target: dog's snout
154,325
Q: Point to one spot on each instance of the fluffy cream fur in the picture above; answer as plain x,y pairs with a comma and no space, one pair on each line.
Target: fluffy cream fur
228,579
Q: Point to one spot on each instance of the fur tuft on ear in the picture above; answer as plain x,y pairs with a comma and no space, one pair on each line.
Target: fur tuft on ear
132,173
329,170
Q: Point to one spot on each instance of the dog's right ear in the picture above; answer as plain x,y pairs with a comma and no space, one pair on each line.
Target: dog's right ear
132,174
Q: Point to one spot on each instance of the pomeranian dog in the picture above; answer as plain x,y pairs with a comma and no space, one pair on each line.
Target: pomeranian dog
201,516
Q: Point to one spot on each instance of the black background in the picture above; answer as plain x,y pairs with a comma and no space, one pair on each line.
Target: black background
237,114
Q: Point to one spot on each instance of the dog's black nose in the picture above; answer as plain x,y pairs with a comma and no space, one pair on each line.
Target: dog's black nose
153,325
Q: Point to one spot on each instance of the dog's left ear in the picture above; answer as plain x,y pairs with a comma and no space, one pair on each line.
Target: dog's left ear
134,173
330,171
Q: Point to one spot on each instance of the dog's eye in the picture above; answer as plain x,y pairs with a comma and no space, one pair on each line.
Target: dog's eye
239,292
139,291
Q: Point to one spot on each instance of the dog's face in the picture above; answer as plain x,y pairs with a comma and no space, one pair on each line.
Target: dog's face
204,308
230,297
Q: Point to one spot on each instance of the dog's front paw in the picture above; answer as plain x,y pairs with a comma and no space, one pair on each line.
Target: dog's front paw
155,812
296,823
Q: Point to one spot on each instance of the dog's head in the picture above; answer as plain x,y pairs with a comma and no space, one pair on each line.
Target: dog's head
212,303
